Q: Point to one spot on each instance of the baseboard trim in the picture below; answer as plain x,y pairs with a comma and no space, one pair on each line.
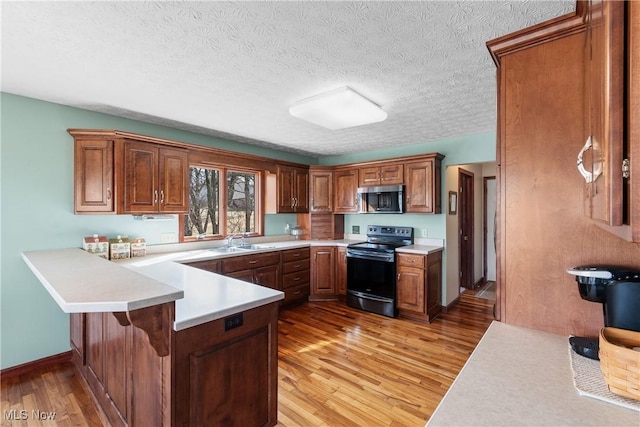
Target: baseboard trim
45,362
447,308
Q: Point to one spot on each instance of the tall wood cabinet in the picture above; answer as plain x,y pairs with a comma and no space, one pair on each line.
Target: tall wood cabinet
320,191
541,227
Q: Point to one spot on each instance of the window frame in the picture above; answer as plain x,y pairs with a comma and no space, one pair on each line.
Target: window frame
259,204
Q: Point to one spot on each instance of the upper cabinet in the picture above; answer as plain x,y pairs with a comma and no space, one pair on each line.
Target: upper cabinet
321,190
386,173
155,179
423,185
93,175
613,144
345,184
288,190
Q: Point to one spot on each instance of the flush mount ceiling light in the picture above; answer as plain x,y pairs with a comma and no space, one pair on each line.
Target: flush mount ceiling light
338,109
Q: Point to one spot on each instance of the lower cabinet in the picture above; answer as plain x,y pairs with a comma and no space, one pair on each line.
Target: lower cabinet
323,273
296,273
419,285
261,269
341,271
223,372
211,265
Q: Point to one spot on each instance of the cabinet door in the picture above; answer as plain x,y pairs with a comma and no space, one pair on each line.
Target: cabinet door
140,180
346,190
323,271
434,284
369,175
420,188
410,289
285,191
93,168
341,271
392,174
301,192
321,184
94,346
268,276
116,354
174,180
606,95
244,275
76,334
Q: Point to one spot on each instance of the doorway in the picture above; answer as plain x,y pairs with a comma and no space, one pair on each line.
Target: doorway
489,228
465,227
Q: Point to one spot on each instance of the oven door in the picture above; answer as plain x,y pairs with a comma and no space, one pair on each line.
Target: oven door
372,274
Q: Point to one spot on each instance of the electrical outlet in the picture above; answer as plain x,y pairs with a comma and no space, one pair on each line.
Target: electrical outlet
424,232
355,229
168,238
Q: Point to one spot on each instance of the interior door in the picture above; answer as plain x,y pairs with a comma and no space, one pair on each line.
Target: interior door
465,227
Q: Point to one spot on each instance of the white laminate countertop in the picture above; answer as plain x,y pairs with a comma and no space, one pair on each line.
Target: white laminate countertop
419,249
522,377
81,282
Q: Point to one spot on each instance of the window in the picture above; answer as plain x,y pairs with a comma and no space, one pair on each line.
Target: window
208,216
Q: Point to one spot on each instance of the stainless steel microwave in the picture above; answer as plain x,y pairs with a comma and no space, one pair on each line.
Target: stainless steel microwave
382,199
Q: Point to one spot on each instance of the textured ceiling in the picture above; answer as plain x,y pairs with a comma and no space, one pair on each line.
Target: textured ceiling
232,69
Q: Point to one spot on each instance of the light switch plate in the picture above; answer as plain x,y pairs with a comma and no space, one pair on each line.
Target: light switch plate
355,229
168,238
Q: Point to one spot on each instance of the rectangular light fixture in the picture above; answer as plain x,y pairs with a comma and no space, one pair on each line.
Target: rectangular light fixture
338,109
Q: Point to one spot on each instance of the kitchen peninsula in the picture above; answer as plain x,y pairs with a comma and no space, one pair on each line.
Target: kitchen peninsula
167,344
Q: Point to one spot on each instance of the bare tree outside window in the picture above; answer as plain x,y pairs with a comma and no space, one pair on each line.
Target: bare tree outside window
204,203
241,200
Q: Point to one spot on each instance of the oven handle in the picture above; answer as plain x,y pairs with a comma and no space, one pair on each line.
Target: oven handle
368,296
371,256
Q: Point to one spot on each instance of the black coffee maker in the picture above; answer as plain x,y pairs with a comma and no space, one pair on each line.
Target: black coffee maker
618,290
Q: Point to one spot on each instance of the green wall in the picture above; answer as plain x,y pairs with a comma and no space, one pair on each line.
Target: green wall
36,207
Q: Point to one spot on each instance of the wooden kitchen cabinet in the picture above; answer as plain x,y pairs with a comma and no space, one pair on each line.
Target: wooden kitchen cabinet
289,189
296,275
419,285
76,336
423,185
612,94
323,273
345,198
155,179
211,265
321,191
94,190
261,269
322,226
341,271
386,173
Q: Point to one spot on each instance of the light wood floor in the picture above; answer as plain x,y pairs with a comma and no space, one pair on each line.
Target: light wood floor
337,367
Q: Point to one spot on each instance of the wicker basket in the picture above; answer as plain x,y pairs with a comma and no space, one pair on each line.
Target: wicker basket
619,362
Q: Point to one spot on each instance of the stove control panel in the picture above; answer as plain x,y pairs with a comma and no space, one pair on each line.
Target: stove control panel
392,231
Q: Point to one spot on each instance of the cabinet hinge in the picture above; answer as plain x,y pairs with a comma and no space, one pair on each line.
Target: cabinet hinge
626,168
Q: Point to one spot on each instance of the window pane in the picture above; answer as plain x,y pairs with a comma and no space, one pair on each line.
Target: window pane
241,201
204,203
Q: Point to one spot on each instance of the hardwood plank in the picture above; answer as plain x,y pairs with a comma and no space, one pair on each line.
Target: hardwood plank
337,367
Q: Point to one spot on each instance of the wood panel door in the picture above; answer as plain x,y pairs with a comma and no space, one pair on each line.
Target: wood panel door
420,187
411,290
301,190
321,185
341,270
286,184
345,190
140,180
323,271
466,228
268,276
93,176
173,171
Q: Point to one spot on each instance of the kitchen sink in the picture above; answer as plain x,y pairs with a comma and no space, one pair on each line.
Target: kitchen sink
231,249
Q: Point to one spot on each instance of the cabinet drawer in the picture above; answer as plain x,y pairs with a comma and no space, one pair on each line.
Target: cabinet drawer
292,266
245,262
296,294
209,265
294,279
295,254
411,260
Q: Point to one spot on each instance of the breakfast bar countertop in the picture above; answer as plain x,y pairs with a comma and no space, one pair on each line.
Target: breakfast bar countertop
522,377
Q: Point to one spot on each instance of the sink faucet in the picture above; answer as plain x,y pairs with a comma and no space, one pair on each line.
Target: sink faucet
233,236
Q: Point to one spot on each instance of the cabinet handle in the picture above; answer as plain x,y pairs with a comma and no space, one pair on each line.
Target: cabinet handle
162,197
399,276
588,176
253,262
296,279
411,260
292,203
297,292
108,193
155,197
296,255
296,266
